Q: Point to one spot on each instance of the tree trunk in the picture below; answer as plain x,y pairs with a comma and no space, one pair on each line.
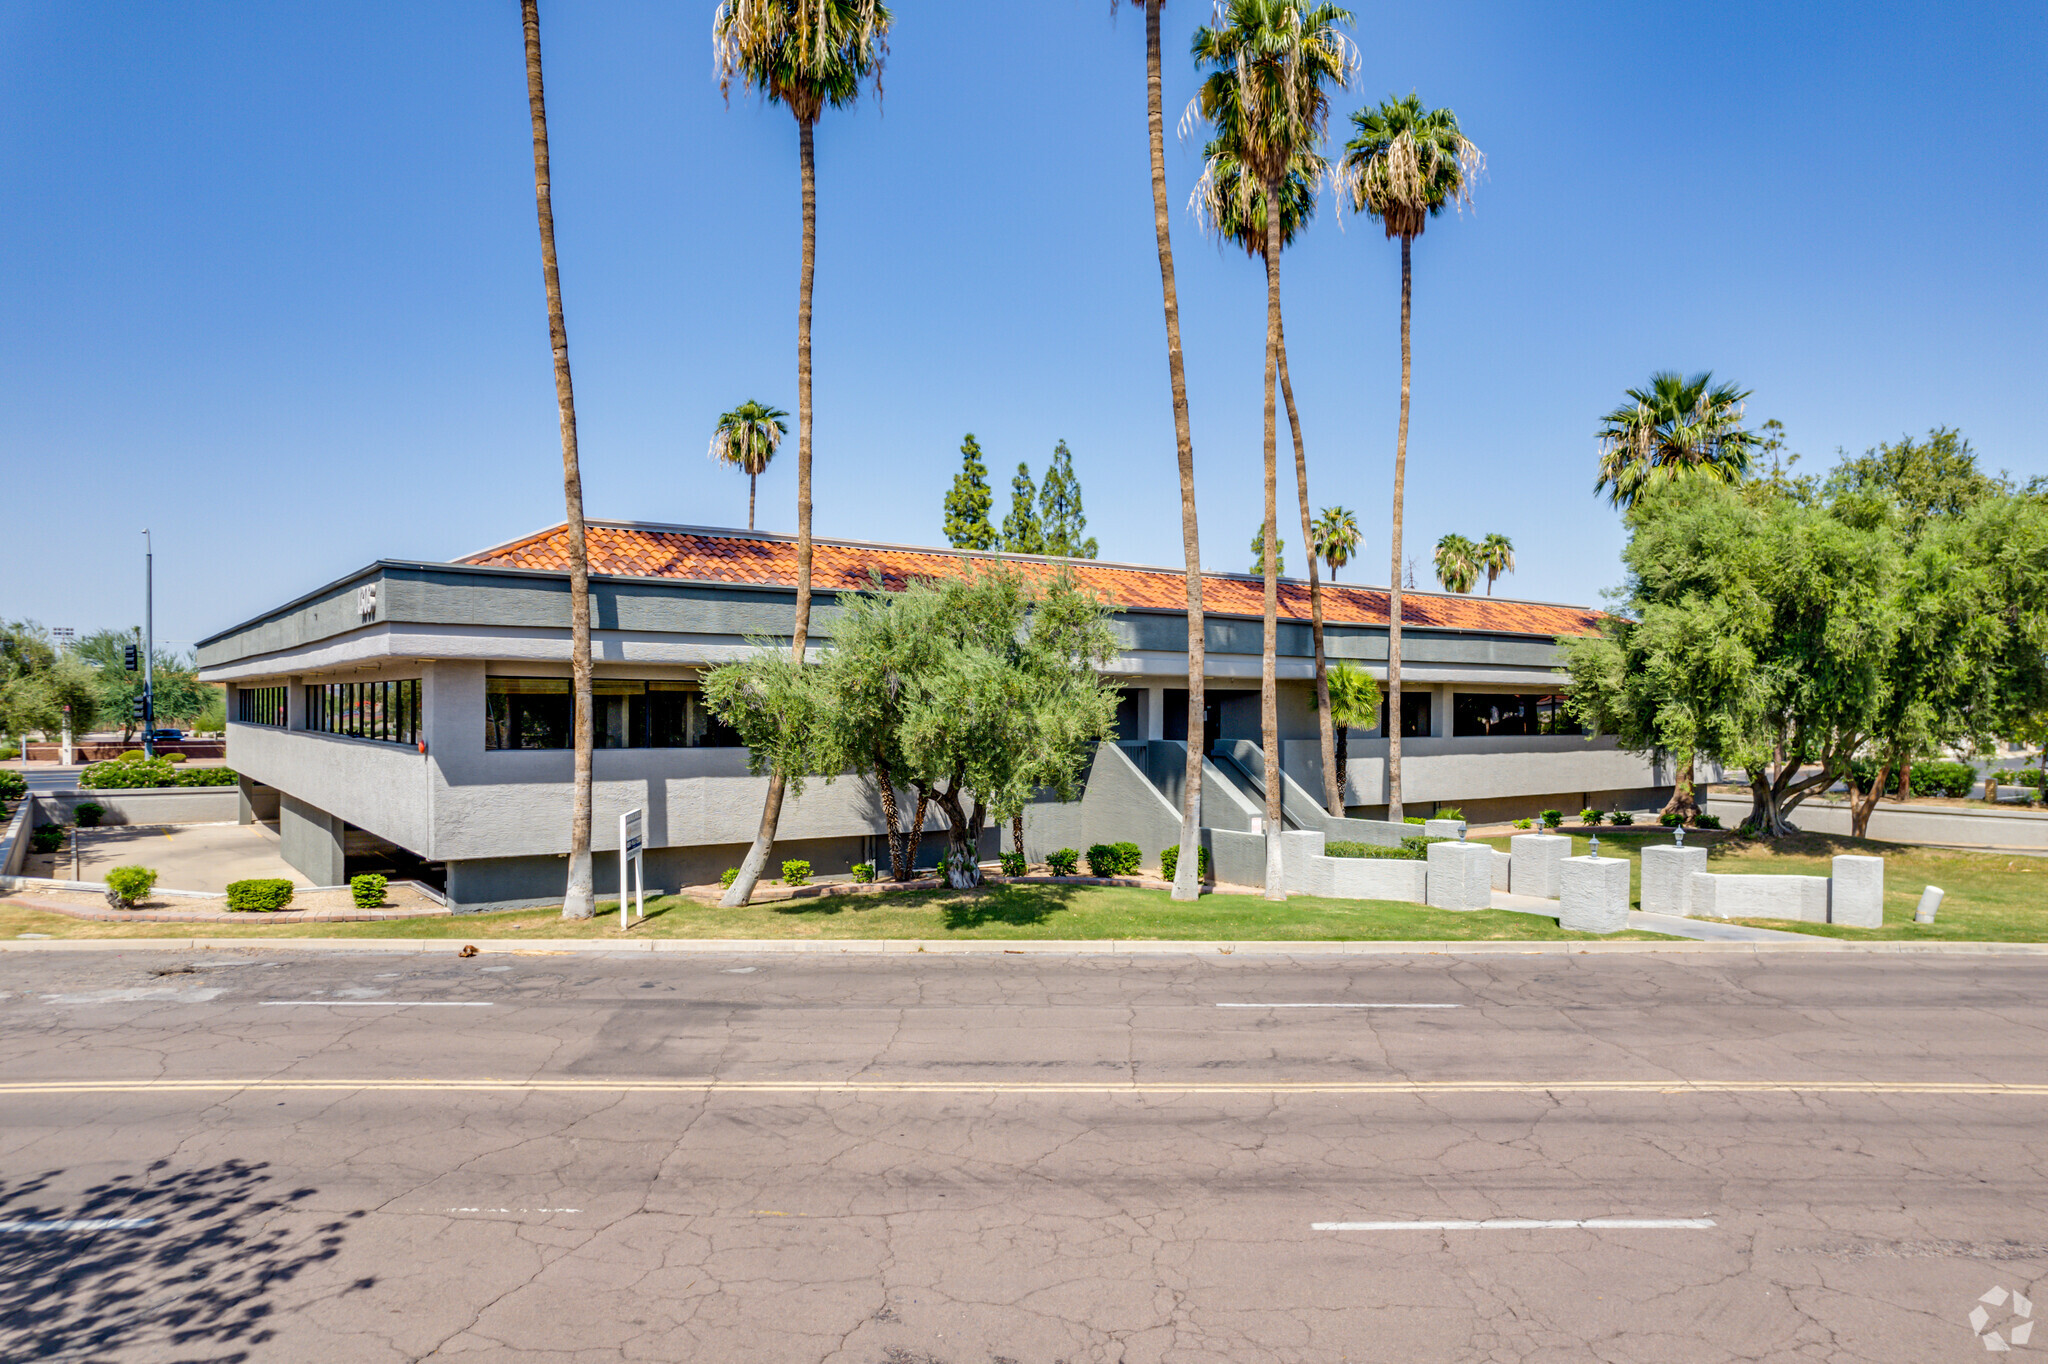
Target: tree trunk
1682,802
892,820
742,888
963,839
1187,878
1269,700
1333,797
1905,779
914,840
752,480
1394,812
579,900
1343,757
1861,804
1017,835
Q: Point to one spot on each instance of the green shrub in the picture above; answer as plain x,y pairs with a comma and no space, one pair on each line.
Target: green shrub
728,876
367,890
863,871
13,786
1414,819
1169,863
88,813
128,772
1450,812
129,884
2030,777
1525,824
1589,816
1062,861
1621,818
1552,818
46,838
1014,864
176,757
204,776
1419,844
1670,819
1114,859
1404,853
262,894
796,872
1703,820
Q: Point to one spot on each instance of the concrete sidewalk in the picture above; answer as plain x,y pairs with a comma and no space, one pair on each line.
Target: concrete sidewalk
1678,926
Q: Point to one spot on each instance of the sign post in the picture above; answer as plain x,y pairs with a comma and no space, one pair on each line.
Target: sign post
630,860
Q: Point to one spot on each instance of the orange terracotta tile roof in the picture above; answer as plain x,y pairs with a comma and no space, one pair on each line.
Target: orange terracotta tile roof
625,549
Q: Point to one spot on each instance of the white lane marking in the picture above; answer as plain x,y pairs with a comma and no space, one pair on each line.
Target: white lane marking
494,968
83,1224
517,1210
1339,1005
1530,1224
142,994
385,1003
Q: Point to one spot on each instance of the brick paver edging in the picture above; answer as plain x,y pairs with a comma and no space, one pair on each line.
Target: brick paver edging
226,916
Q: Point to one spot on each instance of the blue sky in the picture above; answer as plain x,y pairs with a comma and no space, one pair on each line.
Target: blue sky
272,287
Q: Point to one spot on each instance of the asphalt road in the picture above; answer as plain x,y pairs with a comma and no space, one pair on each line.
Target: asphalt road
1034,1159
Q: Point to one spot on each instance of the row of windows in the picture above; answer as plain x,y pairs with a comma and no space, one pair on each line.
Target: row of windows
1477,714
260,706
389,711
539,712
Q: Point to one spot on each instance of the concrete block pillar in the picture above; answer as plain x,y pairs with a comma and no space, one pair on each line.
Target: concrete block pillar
1301,858
1536,860
310,840
1460,876
1667,877
1593,894
1856,892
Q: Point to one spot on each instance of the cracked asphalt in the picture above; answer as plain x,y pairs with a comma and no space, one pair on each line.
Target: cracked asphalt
1101,1164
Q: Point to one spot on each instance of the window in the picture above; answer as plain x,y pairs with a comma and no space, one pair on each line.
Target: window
539,712
260,705
386,711
1414,715
1477,714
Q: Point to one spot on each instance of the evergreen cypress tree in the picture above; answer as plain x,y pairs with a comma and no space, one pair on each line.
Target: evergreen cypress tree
1022,533
1059,508
1258,568
968,501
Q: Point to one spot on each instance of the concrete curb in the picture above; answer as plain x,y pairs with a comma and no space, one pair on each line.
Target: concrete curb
998,947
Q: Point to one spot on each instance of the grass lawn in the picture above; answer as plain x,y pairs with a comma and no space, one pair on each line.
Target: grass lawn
1992,897
995,912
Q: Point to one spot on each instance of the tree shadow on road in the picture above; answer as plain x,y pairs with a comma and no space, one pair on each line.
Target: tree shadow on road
192,1282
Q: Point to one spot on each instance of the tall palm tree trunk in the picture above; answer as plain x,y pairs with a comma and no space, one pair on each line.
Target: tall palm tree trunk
742,888
1333,781
1394,812
579,900
752,479
1187,876
1269,701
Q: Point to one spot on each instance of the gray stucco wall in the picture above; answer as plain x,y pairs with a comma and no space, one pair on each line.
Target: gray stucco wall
310,841
163,805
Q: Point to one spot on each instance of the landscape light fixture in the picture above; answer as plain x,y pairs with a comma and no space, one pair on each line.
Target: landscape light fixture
1678,834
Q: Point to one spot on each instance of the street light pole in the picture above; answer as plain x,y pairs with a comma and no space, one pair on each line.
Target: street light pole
148,646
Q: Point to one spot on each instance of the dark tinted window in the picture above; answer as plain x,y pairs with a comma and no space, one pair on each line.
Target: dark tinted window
1414,715
1478,714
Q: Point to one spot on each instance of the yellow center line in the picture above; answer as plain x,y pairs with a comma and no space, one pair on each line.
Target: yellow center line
1166,1088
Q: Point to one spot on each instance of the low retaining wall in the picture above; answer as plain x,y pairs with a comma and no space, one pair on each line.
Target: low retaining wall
149,805
1951,826
1853,896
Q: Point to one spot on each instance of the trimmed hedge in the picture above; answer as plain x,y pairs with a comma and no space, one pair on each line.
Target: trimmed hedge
1955,780
1412,849
1169,863
1062,861
126,885
88,813
132,771
262,894
796,872
367,890
1114,859
1621,817
863,871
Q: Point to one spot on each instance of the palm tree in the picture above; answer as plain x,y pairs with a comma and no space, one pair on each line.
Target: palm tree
1336,537
746,439
807,55
1404,165
1187,879
1677,428
1674,430
1457,563
1354,704
1495,556
1270,63
1236,211
579,900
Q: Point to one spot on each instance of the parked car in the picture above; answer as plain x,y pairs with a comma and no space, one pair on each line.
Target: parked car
168,736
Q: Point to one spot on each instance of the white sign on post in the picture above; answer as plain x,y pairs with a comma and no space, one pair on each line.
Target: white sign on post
630,860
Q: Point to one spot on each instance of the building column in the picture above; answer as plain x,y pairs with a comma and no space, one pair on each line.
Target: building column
310,841
1155,712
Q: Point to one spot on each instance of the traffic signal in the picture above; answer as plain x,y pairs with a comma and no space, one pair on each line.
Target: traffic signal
136,707
128,658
